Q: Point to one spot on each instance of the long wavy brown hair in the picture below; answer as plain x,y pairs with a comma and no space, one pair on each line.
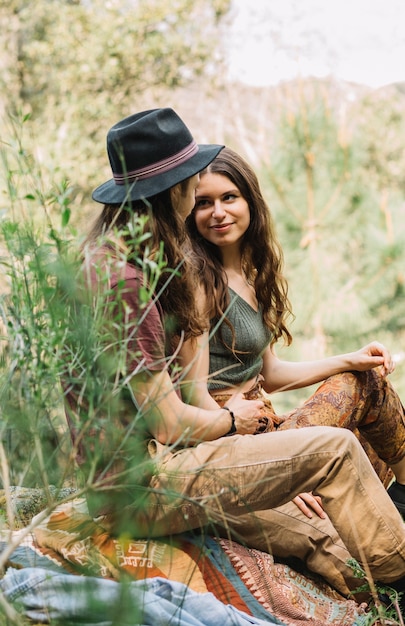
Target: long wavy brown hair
165,225
262,257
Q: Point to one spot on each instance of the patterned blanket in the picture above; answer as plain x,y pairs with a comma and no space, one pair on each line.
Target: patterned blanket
250,580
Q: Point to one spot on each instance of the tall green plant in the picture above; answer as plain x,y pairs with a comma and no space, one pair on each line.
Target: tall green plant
33,256
32,318
51,331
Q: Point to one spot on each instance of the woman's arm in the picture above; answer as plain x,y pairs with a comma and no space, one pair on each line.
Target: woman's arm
282,375
193,357
171,421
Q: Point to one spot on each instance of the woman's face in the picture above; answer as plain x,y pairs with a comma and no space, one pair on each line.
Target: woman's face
183,195
222,214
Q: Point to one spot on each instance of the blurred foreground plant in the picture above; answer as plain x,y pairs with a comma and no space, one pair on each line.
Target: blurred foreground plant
384,608
32,317
49,329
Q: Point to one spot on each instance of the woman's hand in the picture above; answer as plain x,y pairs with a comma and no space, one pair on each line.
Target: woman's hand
372,355
248,414
307,503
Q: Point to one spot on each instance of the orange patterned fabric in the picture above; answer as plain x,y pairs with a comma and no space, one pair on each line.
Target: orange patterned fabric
286,593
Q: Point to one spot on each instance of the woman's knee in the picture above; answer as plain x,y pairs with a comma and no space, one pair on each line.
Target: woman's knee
341,439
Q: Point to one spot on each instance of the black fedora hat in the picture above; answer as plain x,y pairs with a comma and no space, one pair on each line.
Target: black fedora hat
150,152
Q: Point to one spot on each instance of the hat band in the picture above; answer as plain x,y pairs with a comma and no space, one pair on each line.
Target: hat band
160,167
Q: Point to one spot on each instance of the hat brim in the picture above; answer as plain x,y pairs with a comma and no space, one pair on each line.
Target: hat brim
111,193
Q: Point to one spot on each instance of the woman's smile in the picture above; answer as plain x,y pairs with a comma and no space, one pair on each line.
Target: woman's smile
222,227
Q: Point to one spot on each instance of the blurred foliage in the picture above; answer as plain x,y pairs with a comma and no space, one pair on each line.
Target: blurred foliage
335,185
33,322
342,235
77,67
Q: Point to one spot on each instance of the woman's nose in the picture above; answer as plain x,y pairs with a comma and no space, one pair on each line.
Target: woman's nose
218,210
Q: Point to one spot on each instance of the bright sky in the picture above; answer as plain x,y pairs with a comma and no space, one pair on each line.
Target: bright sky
356,40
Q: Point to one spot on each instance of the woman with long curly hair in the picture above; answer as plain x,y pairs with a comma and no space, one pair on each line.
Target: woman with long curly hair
245,299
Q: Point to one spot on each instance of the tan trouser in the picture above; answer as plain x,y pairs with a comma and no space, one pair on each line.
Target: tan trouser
286,532
362,402
224,480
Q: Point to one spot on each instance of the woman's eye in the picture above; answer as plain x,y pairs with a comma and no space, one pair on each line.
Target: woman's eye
201,204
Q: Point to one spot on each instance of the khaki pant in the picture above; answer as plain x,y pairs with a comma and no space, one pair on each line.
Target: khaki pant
362,402
227,480
286,532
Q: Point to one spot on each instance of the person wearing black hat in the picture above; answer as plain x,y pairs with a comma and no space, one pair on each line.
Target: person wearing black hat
153,464
155,163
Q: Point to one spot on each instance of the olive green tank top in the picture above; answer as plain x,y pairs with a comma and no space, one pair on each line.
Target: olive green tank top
229,367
